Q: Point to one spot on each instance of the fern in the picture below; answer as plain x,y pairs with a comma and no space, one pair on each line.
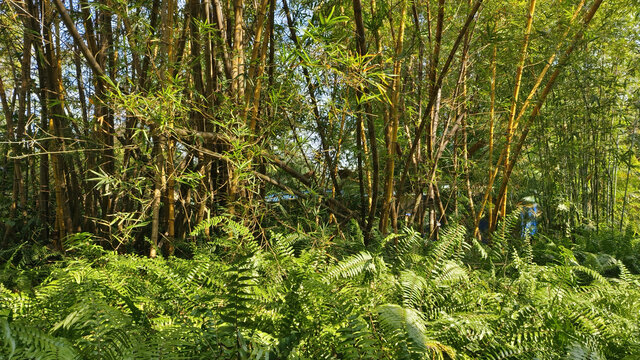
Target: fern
206,224
577,351
25,342
296,297
451,273
447,247
357,340
399,246
501,239
414,289
352,267
236,309
406,327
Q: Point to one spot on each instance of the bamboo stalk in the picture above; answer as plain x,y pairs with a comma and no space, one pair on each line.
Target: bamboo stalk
392,129
502,207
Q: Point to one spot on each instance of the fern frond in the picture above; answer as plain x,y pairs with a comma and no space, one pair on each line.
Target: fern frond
479,248
25,342
414,288
502,236
447,247
407,326
577,351
502,353
357,340
352,267
205,224
596,276
451,273
404,244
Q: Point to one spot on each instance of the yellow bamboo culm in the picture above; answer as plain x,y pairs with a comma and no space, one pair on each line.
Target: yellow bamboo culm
392,128
501,208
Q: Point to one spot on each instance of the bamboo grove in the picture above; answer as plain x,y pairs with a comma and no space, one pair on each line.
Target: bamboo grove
138,120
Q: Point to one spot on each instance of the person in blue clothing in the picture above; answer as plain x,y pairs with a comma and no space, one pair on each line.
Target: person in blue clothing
529,217
483,227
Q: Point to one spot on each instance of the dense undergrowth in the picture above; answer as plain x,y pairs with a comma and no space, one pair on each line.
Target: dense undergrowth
312,296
